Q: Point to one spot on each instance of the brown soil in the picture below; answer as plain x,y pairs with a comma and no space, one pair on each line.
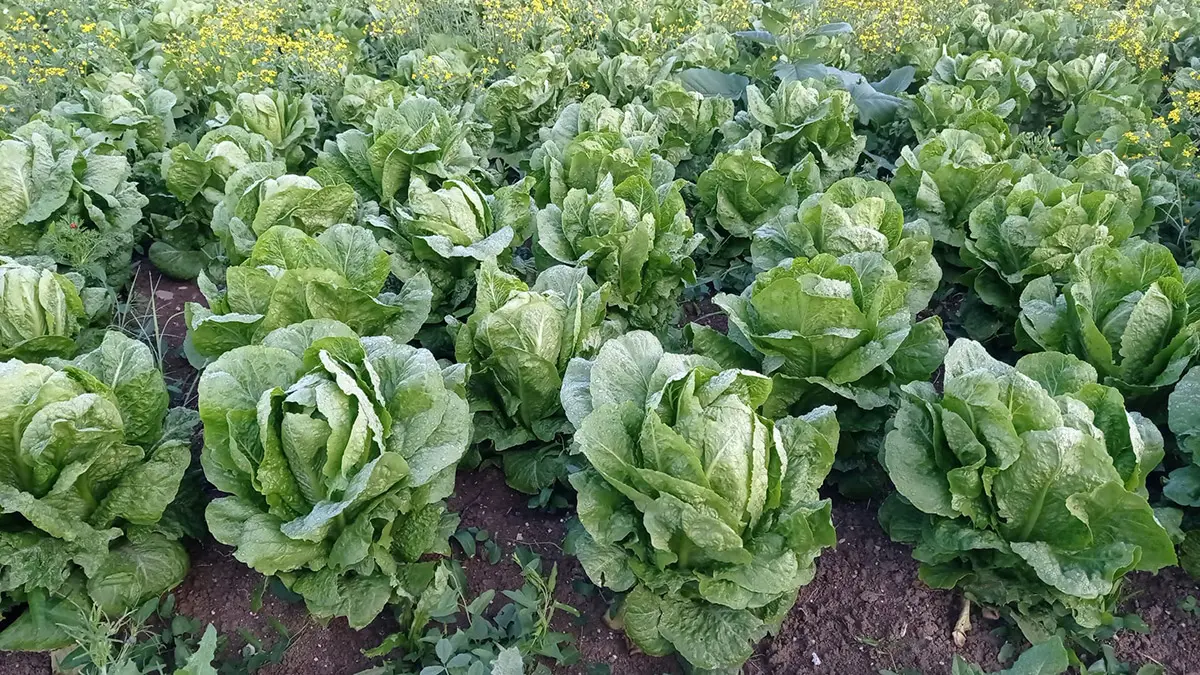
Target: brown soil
705,313
1174,638
866,610
484,501
219,589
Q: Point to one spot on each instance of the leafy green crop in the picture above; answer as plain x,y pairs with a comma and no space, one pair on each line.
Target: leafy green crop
1039,228
72,202
853,216
1129,311
592,140
417,136
704,511
291,277
336,453
41,312
127,110
88,474
636,238
742,190
1025,488
185,241
944,178
444,234
287,122
806,117
830,331
519,105
518,342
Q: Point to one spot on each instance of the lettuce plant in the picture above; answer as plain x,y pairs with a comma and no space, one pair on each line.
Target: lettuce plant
76,204
126,110
185,243
92,461
417,136
256,200
291,277
287,121
634,237
592,139
1128,311
525,101
362,96
1025,488
742,190
939,106
335,453
853,216
691,122
41,313
518,342
803,117
444,234
831,331
702,510
991,74
947,175
1038,229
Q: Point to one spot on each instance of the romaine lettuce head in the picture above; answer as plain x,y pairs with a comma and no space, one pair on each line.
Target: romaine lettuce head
258,198
803,117
1025,487
1129,311
827,327
525,101
690,122
291,277
287,121
703,510
1038,229
945,177
518,342
336,453
593,139
444,234
853,216
128,110
992,74
940,106
634,237
417,136
742,190
73,202
41,312
90,464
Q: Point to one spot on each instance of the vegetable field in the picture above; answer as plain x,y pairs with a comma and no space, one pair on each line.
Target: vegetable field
493,337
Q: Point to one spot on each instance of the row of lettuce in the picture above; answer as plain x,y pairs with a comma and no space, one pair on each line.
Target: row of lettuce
403,277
